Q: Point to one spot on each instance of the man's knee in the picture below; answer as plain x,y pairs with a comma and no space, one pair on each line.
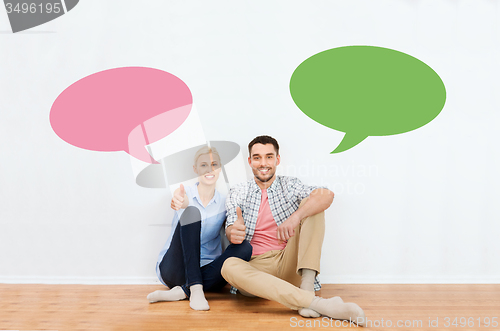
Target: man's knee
229,265
303,202
190,215
319,217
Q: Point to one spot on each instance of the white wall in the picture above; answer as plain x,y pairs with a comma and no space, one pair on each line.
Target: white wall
413,208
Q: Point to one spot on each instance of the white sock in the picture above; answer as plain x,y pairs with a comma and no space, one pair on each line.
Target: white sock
174,294
307,284
339,310
197,299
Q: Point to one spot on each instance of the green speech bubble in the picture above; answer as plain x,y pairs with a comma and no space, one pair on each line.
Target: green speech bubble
367,91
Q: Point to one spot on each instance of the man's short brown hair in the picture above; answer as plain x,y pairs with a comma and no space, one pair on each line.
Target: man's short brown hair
264,140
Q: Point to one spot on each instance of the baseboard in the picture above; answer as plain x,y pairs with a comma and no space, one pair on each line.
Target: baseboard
384,279
80,280
324,280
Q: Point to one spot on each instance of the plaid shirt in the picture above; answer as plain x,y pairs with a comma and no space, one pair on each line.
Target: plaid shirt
284,194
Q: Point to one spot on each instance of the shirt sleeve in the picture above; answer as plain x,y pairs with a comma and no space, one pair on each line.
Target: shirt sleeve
300,191
233,200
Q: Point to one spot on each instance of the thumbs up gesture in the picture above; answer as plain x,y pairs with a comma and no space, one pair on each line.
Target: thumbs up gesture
180,199
237,234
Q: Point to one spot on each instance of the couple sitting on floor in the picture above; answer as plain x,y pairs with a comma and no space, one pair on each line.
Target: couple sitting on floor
275,225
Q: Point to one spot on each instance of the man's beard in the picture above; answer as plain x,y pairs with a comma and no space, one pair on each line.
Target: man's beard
265,180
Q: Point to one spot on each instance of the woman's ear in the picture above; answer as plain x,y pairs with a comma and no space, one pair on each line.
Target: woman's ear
194,169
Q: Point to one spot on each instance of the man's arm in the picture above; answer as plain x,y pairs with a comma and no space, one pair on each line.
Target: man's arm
319,200
235,226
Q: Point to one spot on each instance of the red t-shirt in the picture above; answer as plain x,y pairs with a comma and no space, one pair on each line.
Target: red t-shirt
264,238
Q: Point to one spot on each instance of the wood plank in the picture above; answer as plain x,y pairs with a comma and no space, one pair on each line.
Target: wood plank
124,307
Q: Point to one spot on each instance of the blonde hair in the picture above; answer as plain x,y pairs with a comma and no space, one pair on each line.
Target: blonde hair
206,150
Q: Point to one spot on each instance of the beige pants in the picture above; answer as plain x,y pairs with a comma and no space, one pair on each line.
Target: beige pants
276,275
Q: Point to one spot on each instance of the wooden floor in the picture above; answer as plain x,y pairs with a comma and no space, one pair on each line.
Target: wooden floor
124,307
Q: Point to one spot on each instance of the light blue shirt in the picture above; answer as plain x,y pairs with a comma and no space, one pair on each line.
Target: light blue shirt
212,217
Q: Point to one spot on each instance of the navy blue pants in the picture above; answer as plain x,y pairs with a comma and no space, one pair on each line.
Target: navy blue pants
180,265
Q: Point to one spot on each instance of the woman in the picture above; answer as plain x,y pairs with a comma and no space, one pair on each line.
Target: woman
191,260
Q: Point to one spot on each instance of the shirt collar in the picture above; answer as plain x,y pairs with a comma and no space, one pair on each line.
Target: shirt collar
254,186
215,199
272,188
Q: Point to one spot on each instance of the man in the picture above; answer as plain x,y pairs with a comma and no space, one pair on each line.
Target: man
284,221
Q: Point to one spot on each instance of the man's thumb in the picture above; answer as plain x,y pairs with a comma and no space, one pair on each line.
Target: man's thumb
182,191
240,216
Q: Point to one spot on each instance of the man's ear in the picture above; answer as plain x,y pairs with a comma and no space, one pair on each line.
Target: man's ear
249,161
278,159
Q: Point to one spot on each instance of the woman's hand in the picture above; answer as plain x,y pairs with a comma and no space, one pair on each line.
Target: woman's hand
180,199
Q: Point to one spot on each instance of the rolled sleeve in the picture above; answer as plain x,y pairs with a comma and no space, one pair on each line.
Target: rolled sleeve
232,201
301,191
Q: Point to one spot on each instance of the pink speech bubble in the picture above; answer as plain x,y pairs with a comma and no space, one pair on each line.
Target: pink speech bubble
121,109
